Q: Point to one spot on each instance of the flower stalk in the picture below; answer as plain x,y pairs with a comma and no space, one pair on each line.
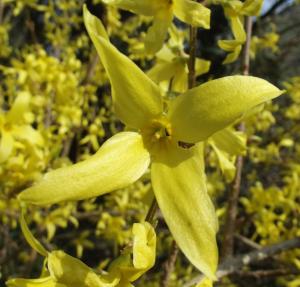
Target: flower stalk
232,209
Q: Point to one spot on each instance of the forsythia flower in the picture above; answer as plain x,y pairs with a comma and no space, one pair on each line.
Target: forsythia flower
15,127
172,64
161,137
63,270
162,11
227,144
236,10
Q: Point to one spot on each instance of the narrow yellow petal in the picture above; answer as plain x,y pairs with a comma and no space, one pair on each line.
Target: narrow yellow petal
232,57
238,29
157,33
6,145
32,241
227,166
202,66
28,133
162,71
118,163
180,80
19,107
252,7
192,13
71,271
210,107
231,141
229,45
136,98
179,185
40,282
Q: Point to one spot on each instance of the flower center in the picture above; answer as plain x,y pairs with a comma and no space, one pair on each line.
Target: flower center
157,134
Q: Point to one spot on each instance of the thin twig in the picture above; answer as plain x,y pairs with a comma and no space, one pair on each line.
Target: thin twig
268,273
169,265
150,217
230,222
248,242
234,264
192,58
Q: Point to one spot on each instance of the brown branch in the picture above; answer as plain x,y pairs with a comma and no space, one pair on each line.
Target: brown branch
233,265
150,217
232,209
267,273
93,62
192,58
247,241
169,265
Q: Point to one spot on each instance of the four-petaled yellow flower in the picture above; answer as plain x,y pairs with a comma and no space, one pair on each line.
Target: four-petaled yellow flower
162,11
163,136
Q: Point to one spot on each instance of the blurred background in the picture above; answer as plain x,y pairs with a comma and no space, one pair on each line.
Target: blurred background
55,110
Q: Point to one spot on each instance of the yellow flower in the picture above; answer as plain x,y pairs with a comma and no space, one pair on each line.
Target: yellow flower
163,137
14,127
63,270
227,144
235,11
162,11
172,64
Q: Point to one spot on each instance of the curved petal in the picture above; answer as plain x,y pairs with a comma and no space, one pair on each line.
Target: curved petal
252,7
192,13
202,66
136,98
210,107
229,45
162,71
40,282
119,162
180,80
6,145
179,185
144,246
238,29
142,7
19,107
71,271
32,241
226,163
232,57
28,133
231,141
157,33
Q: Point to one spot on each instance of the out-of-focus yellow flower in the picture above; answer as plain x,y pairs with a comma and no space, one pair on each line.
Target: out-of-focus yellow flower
15,126
164,137
268,41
